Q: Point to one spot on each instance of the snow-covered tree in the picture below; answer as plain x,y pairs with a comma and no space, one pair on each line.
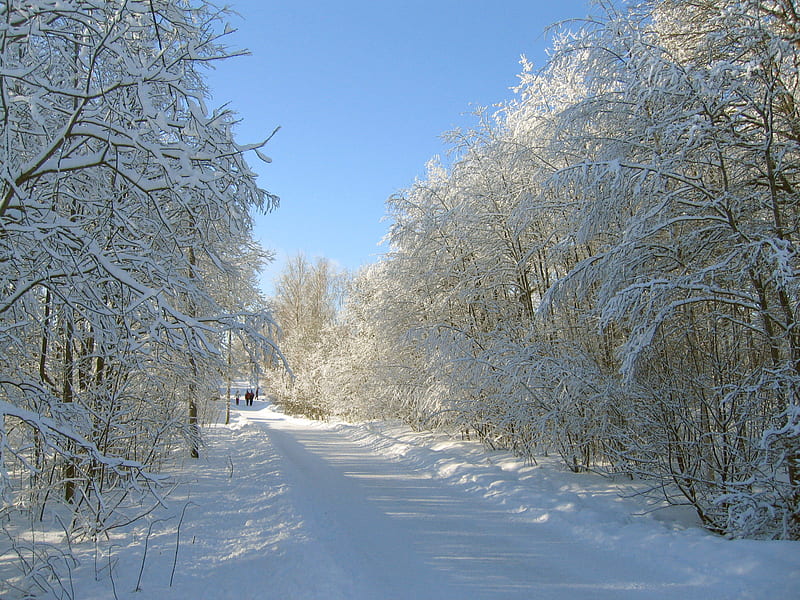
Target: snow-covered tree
123,200
609,267
686,154
306,303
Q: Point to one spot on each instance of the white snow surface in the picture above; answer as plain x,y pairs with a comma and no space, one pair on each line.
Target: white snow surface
287,508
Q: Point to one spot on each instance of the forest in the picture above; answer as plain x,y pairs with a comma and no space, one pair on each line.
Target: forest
604,268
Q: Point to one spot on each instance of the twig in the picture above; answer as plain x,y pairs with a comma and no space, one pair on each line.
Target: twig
178,542
71,556
111,573
144,556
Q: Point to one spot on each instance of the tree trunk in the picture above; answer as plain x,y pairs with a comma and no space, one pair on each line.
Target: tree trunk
194,450
194,430
67,395
228,394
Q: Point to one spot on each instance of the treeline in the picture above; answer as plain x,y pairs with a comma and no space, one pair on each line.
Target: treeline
125,226
306,306
608,269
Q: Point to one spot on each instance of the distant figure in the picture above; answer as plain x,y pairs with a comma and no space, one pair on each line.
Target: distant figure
237,398
248,397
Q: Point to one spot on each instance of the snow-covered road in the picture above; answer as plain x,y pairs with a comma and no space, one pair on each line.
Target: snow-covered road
283,508
391,531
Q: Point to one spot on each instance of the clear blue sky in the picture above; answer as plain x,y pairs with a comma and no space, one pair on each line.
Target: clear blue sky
362,91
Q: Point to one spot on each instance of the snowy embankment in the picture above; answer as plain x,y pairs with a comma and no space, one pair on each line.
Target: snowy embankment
285,508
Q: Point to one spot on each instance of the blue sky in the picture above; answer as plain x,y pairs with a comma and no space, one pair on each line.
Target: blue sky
362,91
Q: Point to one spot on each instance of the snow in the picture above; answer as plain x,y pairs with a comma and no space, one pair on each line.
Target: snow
286,508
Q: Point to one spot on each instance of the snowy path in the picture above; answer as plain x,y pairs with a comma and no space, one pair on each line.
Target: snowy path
285,509
402,534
